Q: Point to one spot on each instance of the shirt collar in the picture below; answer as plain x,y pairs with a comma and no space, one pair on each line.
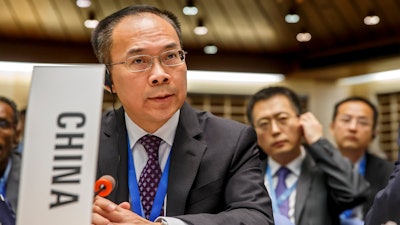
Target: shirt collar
294,166
165,132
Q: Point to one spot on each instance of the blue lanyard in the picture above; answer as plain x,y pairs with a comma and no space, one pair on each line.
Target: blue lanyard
281,198
362,166
134,189
361,170
3,179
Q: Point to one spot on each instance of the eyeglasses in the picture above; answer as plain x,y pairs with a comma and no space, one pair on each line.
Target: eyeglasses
138,63
346,119
281,120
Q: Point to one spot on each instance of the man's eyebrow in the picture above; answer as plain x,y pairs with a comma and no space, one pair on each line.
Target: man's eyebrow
134,51
139,50
172,45
273,116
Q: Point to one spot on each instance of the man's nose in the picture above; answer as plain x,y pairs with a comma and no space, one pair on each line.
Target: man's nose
275,128
353,124
158,73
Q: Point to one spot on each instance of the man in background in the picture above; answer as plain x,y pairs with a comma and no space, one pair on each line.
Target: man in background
311,183
353,127
10,161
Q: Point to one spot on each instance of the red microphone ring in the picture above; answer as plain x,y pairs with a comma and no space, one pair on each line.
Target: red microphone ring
103,187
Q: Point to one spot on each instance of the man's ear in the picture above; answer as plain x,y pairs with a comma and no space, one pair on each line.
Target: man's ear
17,135
374,134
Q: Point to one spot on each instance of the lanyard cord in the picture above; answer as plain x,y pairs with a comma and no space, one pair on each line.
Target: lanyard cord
363,164
3,179
134,188
277,200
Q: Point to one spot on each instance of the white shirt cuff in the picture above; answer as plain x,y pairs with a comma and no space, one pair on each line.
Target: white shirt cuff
171,220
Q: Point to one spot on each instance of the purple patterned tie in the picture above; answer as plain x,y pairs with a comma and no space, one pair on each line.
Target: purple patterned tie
151,173
281,188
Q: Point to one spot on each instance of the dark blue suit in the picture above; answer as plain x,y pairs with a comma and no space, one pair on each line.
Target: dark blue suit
387,201
377,174
7,215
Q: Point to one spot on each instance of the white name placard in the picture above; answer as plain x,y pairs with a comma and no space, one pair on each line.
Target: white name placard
61,145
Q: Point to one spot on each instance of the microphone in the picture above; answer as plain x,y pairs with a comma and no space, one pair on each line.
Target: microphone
104,185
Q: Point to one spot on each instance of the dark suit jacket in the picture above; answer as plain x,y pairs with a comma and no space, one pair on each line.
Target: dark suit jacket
214,168
326,186
386,203
377,173
7,215
12,186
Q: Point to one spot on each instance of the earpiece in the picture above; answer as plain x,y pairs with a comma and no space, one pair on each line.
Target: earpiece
107,80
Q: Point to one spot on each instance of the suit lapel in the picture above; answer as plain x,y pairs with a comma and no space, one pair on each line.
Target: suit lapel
303,186
114,136
186,156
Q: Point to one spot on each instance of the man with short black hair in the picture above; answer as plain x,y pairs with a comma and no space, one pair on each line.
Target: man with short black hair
354,127
308,183
172,164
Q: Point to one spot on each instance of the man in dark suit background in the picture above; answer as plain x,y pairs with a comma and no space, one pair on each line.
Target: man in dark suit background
319,183
354,126
10,161
212,163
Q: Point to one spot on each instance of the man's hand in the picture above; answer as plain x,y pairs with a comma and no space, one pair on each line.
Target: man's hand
312,128
105,212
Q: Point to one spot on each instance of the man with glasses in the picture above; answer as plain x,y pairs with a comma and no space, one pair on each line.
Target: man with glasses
172,164
353,127
308,183
10,161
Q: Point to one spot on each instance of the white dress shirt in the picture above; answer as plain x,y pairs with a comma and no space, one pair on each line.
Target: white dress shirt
295,169
139,154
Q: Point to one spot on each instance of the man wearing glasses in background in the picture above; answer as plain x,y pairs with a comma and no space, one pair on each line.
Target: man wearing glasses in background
205,168
353,127
10,161
310,183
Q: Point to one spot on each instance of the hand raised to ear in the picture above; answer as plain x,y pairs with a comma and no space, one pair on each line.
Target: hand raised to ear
312,128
